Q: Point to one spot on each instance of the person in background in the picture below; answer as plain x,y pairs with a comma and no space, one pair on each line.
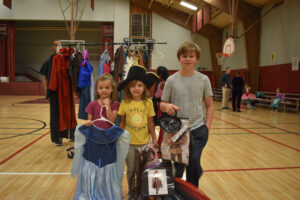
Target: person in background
225,83
247,91
189,93
278,98
237,91
52,96
163,74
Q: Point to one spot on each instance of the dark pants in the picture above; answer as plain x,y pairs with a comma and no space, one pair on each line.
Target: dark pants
85,99
198,140
236,98
57,135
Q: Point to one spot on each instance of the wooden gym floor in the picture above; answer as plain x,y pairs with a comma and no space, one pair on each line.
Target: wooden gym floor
254,154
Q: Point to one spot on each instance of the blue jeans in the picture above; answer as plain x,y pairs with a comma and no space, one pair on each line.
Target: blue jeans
198,140
85,99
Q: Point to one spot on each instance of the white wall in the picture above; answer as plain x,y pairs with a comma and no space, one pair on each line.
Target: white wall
164,30
238,58
50,10
280,34
121,20
117,11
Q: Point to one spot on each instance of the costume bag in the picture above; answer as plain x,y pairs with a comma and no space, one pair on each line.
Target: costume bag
157,181
176,138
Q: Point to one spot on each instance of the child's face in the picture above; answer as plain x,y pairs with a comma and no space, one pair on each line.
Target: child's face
188,60
137,90
104,89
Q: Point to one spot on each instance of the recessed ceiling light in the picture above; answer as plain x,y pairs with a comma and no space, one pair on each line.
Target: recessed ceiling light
185,4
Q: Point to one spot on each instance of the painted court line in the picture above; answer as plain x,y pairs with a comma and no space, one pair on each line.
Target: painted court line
250,169
34,173
259,135
20,150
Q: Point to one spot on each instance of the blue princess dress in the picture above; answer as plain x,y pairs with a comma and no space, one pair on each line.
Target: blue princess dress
99,162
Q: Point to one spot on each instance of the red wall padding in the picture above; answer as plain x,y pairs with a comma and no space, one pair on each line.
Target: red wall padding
282,76
22,88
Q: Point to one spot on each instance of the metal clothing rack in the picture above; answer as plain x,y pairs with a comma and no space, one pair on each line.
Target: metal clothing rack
127,42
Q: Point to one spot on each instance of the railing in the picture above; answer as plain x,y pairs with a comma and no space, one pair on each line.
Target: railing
29,70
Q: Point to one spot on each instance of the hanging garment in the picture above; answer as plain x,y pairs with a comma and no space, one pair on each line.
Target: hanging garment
119,60
86,70
99,162
146,59
104,63
130,60
84,82
85,99
56,135
60,82
76,61
93,89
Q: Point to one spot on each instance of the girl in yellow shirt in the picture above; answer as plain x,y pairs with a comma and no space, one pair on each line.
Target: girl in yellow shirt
136,115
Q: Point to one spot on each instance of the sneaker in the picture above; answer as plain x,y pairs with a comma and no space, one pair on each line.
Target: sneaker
59,142
239,110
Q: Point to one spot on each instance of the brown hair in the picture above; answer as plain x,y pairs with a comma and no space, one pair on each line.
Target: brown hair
189,46
104,77
128,95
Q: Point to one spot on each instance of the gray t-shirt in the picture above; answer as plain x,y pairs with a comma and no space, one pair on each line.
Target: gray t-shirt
187,93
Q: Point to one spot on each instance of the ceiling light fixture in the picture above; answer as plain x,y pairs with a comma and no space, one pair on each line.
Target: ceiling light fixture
185,4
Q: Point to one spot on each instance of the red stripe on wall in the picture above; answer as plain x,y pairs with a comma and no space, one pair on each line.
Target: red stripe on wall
282,76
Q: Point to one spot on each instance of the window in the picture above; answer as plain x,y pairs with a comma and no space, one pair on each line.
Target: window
140,25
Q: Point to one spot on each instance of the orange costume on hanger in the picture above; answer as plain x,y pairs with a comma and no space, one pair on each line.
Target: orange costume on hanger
60,82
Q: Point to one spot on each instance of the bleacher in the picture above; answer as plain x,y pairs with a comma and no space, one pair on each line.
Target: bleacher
290,101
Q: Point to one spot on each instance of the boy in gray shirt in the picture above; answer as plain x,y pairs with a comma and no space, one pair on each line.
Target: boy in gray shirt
184,92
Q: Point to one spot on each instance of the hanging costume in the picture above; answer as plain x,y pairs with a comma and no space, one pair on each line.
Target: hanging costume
99,162
56,135
104,63
84,82
119,60
60,82
75,63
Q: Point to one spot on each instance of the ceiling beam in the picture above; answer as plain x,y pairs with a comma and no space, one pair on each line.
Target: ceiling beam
244,11
175,16
212,33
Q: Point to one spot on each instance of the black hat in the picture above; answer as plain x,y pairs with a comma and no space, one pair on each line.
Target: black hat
139,73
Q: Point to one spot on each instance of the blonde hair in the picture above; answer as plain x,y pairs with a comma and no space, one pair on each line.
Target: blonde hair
104,77
127,94
187,47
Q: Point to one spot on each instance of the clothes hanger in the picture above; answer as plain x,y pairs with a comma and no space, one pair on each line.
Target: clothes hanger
103,118
58,47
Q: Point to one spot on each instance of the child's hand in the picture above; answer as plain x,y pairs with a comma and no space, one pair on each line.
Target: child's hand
171,108
88,123
106,101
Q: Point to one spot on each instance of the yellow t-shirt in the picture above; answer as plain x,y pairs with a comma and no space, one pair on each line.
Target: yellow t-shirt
137,113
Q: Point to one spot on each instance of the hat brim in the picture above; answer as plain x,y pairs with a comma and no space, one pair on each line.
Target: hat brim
139,73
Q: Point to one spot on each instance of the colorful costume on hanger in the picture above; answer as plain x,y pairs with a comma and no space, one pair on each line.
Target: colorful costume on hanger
84,82
104,63
99,162
56,135
60,82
